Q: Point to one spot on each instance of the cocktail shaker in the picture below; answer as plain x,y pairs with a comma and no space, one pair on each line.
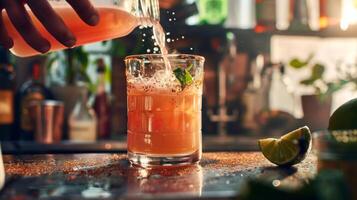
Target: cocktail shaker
47,117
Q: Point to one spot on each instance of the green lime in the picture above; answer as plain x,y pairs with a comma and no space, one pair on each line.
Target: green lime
345,117
289,149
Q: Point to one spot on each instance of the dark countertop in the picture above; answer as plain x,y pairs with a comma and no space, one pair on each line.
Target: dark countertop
210,143
81,176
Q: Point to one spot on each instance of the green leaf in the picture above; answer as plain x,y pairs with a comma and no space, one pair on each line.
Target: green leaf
184,76
318,71
308,81
297,64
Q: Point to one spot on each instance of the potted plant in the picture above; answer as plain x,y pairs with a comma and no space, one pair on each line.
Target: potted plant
317,106
67,72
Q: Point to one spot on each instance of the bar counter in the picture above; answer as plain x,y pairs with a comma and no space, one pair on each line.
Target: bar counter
110,176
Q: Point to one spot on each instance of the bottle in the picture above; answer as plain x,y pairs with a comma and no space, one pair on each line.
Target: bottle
252,95
213,12
283,14
241,14
300,21
324,19
30,92
280,96
313,7
101,103
7,87
83,121
265,15
117,19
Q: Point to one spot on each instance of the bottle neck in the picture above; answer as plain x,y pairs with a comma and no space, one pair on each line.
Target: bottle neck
101,83
36,73
147,11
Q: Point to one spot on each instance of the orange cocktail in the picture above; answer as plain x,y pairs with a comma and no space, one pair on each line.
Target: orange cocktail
164,118
114,22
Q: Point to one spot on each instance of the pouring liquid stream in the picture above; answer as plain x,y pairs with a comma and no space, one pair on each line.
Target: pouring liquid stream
159,35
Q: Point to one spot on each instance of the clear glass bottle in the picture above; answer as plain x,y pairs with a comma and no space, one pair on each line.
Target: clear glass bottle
83,121
117,19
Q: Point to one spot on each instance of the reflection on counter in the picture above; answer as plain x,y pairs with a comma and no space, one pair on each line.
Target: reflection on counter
185,180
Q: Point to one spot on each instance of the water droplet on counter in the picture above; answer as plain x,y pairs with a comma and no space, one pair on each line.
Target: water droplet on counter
276,183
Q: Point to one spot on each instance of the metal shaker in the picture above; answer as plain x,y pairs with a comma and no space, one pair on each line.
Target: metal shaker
48,119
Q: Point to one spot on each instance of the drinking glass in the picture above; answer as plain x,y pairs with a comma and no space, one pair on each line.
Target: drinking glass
338,150
117,19
164,118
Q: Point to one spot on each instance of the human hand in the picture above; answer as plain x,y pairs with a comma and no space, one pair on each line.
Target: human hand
53,23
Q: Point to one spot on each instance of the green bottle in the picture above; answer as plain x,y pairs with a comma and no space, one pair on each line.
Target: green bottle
213,12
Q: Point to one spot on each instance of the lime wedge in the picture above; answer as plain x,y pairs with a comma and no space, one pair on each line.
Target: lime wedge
289,149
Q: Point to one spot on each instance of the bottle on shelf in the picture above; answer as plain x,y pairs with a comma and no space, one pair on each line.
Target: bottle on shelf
283,14
102,103
30,92
241,14
7,88
213,12
83,121
300,20
265,15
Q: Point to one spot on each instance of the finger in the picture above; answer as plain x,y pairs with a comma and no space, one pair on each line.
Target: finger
23,24
86,11
52,22
5,40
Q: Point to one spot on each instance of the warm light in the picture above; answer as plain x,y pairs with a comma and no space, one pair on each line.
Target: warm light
348,14
323,22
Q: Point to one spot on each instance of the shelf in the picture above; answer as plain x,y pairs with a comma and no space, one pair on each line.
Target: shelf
205,31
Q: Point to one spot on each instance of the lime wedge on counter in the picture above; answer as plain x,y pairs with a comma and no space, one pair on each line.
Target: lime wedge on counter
289,149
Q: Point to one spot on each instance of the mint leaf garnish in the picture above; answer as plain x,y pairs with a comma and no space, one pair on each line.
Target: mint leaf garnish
184,76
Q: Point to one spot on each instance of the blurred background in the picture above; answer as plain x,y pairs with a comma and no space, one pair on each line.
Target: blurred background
271,66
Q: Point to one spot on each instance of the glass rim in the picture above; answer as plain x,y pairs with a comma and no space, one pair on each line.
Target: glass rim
153,56
336,143
323,134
